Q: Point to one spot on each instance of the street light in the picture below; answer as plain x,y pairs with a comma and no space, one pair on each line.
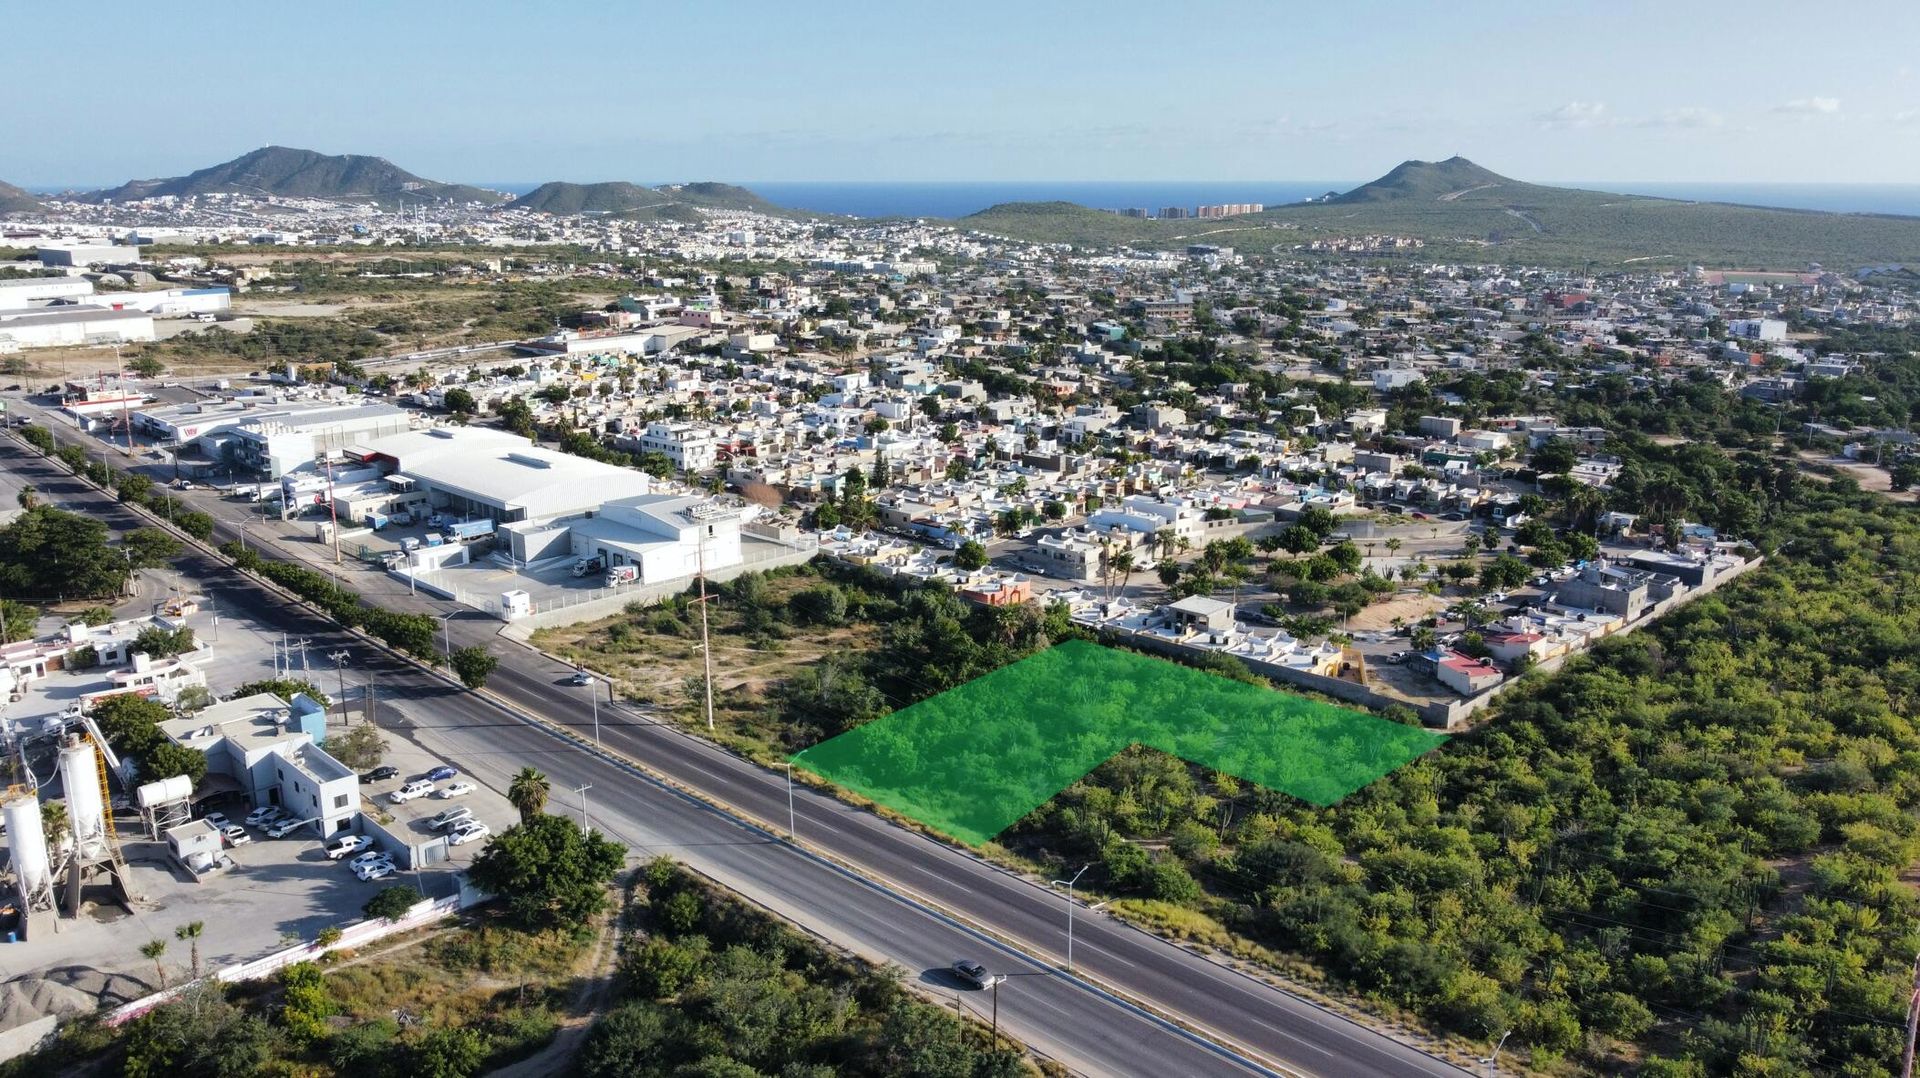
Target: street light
340,667
446,638
792,834
582,791
1492,1062
1068,884
593,695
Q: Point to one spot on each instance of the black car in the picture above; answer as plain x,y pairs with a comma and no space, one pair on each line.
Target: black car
381,774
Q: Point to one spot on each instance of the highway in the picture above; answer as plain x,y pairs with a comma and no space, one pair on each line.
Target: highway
911,916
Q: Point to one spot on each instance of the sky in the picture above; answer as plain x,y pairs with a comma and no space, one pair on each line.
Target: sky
736,90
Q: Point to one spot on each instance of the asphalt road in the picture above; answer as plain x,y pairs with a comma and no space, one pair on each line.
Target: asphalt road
1060,1015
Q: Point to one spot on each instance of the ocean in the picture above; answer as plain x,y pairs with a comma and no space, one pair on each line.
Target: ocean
925,199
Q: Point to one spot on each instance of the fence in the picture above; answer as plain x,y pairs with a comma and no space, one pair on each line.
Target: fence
358,934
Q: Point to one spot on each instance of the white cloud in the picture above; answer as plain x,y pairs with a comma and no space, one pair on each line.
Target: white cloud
1577,114
1690,117
1908,116
1810,106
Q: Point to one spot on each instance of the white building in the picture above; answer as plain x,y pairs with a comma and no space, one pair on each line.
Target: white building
665,537
1758,329
268,749
169,301
22,293
87,254
291,440
689,446
72,326
473,472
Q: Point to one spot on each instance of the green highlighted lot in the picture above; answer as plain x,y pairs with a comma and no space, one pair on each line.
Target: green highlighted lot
975,759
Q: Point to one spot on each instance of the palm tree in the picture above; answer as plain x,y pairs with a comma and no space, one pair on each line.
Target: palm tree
1123,567
28,497
528,792
153,949
191,933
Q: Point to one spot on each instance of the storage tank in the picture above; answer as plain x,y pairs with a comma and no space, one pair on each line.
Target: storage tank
164,792
80,778
28,839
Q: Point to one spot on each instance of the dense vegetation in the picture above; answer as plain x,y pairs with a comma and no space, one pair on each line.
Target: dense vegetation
715,987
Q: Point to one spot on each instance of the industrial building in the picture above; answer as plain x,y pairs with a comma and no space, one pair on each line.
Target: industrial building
72,326
24,293
268,749
472,472
87,254
293,439
168,301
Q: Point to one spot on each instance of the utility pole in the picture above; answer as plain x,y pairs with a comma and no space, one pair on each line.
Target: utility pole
333,516
340,667
366,706
582,791
446,637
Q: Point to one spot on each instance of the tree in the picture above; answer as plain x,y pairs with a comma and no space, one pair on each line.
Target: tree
145,366
449,1052
1504,573
152,950
970,556
1905,474
19,620
549,872
1298,539
165,760
460,401
473,664
148,548
360,747
1556,457
1319,521
305,1002
528,793
190,932
392,903
29,496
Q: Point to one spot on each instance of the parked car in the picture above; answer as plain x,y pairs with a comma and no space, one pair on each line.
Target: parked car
416,788
381,774
285,827
219,820
235,835
379,870
975,974
262,816
454,789
369,858
450,817
347,844
442,773
471,831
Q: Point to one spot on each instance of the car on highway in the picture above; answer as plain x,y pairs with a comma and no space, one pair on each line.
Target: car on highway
378,870
580,677
976,974
381,774
450,817
454,789
471,831
262,816
235,835
442,773
284,827
412,790
346,845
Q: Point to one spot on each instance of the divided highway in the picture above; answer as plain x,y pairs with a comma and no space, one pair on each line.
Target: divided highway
917,915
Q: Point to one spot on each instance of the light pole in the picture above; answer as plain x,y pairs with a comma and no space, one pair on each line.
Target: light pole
340,668
1493,1061
1068,884
792,832
582,791
593,695
446,637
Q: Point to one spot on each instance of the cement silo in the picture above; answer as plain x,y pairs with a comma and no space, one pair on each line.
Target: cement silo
27,841
86,812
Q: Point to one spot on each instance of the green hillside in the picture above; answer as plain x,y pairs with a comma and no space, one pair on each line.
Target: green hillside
669,202
1465,212
15,200
291,173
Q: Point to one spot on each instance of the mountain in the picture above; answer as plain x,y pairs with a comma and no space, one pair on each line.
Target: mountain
278,170
1462,212
1433,180
619,198
15,200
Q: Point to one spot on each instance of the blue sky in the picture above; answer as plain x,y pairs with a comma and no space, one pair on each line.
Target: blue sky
741,91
